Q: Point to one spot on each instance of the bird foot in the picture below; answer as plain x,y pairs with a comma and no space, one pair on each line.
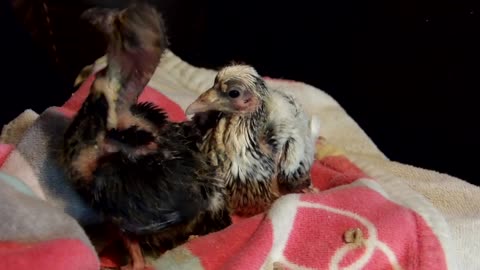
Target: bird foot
311,189
137,261
192,237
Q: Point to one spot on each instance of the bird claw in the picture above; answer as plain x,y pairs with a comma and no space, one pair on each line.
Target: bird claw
311,189
137,260
192,237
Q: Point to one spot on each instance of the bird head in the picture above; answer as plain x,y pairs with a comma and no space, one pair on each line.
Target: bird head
237,89
136,39
131,28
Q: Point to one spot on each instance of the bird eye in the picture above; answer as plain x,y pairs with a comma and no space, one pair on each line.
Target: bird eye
234,93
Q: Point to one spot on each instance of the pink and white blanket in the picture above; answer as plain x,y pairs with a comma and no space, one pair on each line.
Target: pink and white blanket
361,219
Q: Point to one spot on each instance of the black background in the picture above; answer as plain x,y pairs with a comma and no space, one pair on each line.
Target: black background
407,71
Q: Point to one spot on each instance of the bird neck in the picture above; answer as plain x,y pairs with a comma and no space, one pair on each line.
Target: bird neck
256,120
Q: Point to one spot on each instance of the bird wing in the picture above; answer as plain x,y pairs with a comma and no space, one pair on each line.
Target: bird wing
293,134
168,219
147,194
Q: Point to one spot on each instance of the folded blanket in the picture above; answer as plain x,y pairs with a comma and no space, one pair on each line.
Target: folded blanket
35,235
355,222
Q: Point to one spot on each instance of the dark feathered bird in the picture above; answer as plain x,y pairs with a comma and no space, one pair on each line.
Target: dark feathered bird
261,139
142,172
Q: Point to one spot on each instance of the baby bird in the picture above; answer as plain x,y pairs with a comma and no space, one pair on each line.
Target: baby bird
261,139
144,174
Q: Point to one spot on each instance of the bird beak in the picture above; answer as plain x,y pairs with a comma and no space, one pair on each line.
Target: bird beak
208,101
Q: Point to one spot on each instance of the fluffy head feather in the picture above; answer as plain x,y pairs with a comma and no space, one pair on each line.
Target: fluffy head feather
247,74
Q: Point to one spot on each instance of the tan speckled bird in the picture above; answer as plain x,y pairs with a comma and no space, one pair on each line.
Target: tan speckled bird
261,139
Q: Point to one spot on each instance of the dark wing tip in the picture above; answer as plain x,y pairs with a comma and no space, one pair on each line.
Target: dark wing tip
150,112
168,219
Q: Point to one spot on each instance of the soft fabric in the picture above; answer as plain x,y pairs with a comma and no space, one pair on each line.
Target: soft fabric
58,254
367,215
35,235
